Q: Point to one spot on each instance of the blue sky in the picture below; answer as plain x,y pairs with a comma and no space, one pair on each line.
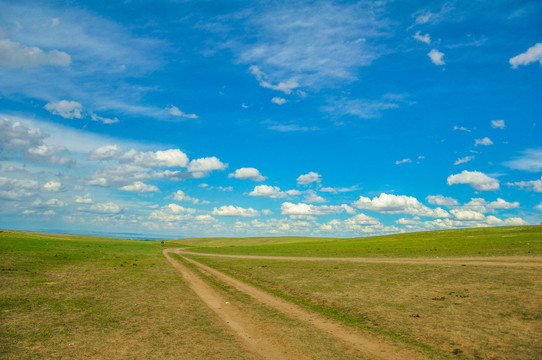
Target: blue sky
247,118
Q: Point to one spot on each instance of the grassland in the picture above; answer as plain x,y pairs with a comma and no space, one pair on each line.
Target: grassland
73,297
497,241
65,296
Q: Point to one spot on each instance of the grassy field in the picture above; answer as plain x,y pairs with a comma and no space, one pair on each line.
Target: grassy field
66,296
516,240
74,297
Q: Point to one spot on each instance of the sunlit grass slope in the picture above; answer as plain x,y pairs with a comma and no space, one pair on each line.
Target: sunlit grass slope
74,297
515,240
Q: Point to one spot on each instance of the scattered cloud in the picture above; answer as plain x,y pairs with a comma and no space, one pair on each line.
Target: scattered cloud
236,211
179,195
461,128
272,192
441,200
497,124
160,158
484,141
139,187
364,109
398,204
292,128
66,109
423,38
538,207
312,197
288,208
503,204
203,166
14,55
309,178
534,185
530,160
286,87
475,179
247,173
404,161
106,152
533,54
173,110
53,186
278,100
104,120
463,160
436,57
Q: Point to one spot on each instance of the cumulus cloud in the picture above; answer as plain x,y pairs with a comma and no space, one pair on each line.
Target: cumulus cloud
423,38
475,179
14,55
16,137
503,204
203,166
53,186
106,152
104,208
312,197
179,195
247,173
533,54
166,158
17,189
395,204
139,187
236,211
485,141
461,214
436,57
441,200
362,219
66,109
534,185
273,192
86,199
530,160
278,100
463,160
47,153
173,110
288,208
309,178
286,86
498,124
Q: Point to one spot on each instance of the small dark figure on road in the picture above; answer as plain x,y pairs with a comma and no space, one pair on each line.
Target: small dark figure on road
162,243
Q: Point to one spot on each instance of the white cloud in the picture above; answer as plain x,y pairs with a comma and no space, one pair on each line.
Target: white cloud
66,109
362,219
166,158
17,189
395,204
515,221
201,167
441,200
404,161
309,178
530,160
230,210
292,128
205,218
475,179
503,204
104,120
286,87
476,204
268,191
461,214
14,55
498,124
464,160
533,54
312,197
106,152
178,209
179,195
362,108
288,208
53,186
538,207
535,185
278,100
173,110
247,173
462,128
105,208
338,190
139,187
436,57
485,141
83,199
423,38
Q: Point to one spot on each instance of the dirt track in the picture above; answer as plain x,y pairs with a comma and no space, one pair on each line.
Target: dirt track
520,261
256,335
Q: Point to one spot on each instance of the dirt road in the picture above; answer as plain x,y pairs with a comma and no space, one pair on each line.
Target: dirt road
519,261
257,336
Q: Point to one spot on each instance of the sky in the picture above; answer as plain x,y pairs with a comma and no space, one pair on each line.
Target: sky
176,119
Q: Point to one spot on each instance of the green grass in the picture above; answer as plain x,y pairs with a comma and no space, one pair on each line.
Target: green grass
496,241
66,296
